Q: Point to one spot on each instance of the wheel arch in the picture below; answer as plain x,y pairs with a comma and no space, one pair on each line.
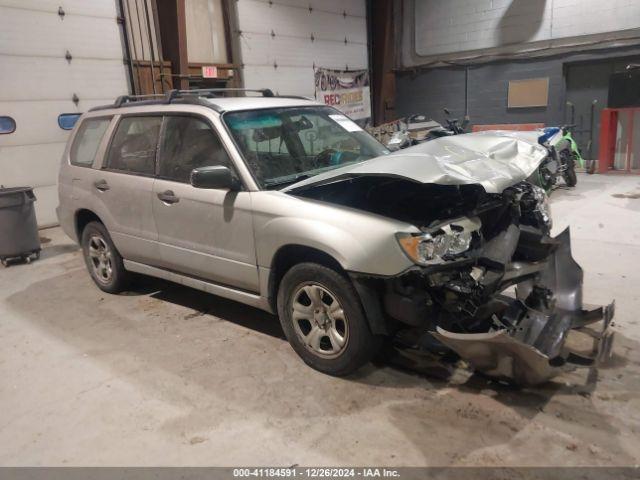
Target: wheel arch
290,255
82,218
287,256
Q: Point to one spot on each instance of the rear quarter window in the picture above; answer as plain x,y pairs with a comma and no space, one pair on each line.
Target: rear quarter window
87,140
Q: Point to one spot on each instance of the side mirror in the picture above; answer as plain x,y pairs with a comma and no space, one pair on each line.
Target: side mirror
214,177
447,112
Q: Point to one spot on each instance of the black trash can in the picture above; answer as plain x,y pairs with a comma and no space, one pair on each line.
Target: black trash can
19,239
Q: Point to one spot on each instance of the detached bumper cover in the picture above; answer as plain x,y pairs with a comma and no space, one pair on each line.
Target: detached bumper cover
532,346
499,354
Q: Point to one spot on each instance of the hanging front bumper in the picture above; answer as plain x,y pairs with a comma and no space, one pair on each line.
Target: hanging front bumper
500,354
533,345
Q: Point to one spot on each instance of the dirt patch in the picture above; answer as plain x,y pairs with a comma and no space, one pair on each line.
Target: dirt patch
633,195
196,440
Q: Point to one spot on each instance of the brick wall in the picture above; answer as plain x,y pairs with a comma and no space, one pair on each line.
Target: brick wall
429,91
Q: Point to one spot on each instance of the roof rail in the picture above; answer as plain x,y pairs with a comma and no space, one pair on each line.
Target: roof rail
297,97
172,95
210,92
188,96
122,99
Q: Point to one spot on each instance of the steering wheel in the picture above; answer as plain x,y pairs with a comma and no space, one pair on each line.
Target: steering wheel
323,159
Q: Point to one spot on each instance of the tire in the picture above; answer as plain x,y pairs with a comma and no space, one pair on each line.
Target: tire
570,177
314,330
99,251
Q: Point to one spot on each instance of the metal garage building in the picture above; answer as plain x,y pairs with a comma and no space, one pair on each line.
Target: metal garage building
282,41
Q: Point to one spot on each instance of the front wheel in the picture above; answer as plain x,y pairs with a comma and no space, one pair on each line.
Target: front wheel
323,320
570,177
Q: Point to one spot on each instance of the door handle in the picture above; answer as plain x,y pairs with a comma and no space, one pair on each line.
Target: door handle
168,197
101,185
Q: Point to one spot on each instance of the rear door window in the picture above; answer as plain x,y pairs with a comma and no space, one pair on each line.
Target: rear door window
87,140
188,143
133,147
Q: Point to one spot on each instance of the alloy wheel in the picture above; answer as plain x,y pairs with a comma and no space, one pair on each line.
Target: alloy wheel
319,320
101,258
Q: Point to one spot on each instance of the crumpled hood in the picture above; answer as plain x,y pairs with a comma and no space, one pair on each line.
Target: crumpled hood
495,161
530,136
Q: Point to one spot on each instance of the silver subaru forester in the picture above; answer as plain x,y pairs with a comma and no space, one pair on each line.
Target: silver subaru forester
289,206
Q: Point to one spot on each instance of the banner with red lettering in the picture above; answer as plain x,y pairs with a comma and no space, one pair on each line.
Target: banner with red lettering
346,90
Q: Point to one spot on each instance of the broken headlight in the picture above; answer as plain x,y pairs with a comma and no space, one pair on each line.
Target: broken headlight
543,208
434,246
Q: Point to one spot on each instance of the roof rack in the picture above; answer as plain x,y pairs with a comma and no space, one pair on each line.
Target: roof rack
211,92
171,95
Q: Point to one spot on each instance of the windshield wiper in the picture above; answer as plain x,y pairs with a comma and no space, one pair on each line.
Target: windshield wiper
301,176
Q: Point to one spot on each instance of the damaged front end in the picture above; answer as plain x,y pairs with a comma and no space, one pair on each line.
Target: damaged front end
493,286
488,282
464,292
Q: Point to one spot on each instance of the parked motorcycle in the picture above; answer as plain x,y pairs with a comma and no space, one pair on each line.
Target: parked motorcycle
561,159
568,148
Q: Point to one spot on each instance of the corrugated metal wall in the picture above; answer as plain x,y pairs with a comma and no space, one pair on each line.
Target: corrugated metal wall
39,83
473,29
281,41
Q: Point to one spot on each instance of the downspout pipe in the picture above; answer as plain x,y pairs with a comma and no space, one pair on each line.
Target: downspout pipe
127,51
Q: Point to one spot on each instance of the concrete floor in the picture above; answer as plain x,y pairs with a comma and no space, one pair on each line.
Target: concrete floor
170,376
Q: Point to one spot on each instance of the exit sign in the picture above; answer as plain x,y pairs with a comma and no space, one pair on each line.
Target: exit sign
210,72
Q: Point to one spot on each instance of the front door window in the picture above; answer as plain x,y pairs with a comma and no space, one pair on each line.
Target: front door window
189,143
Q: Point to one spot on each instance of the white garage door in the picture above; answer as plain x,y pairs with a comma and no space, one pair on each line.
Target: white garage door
38,83
282,40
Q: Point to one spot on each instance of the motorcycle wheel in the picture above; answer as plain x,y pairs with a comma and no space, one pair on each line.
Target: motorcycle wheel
570,177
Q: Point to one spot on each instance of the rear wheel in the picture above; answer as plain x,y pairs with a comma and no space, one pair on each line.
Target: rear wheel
102,259
323,320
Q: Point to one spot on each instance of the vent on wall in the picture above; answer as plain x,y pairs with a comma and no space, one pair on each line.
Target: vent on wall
533,92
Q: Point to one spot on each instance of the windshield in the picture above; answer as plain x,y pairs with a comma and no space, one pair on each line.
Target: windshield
284,145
